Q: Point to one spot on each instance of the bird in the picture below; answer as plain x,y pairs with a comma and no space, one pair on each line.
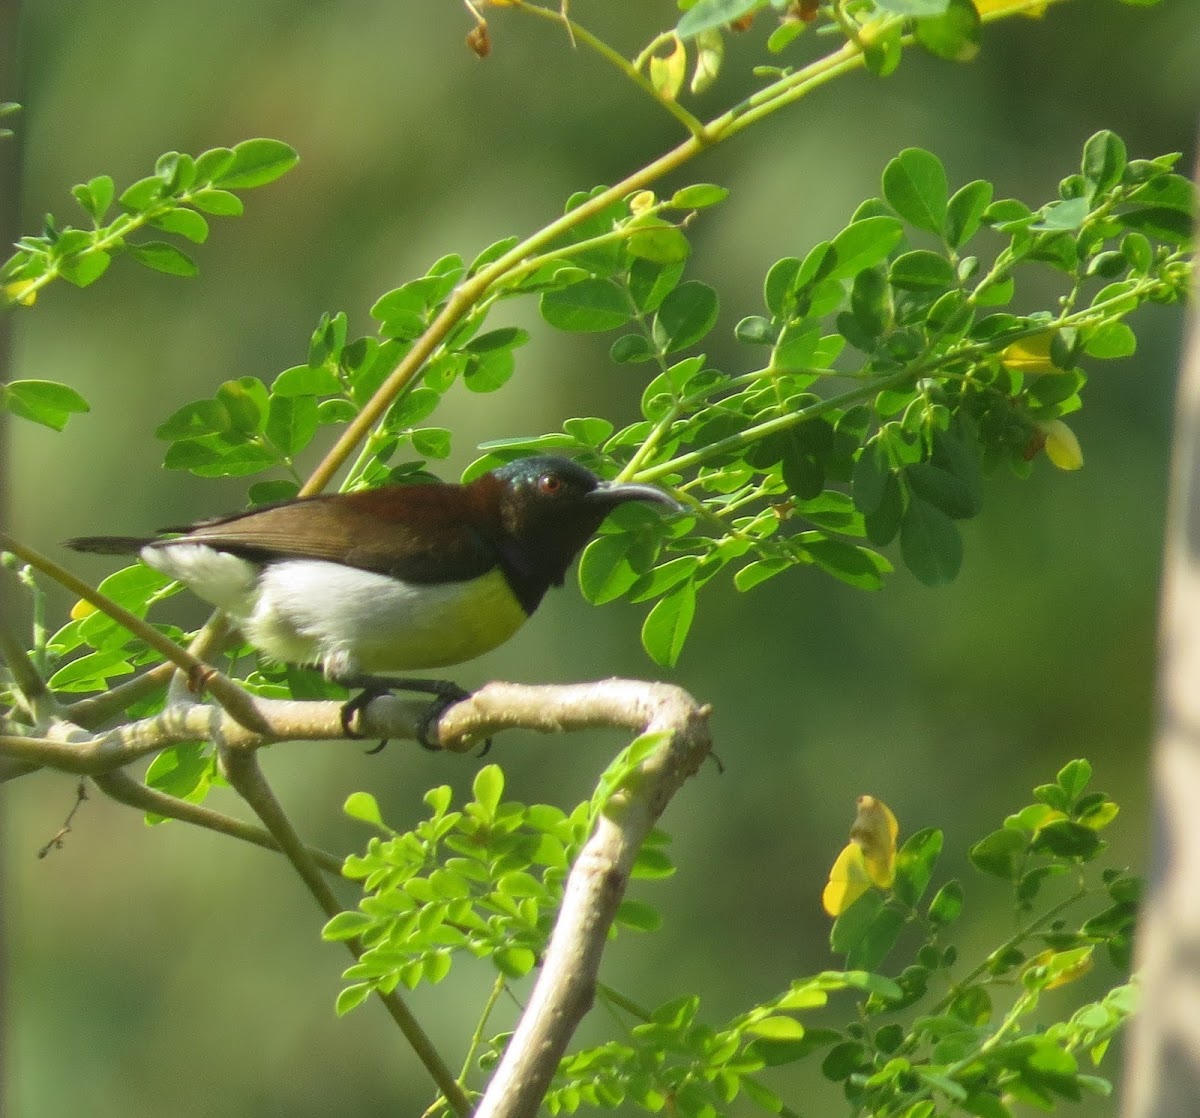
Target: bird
399,578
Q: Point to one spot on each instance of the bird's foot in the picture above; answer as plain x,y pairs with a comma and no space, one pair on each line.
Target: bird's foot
446,693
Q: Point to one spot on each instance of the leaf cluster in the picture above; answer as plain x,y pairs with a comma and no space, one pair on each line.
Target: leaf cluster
929,1037
177,199
973,1048
486,880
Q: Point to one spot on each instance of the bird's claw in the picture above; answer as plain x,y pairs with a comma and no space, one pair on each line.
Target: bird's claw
446,694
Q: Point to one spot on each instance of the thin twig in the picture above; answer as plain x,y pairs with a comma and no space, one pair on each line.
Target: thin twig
242,770
56,840
123,788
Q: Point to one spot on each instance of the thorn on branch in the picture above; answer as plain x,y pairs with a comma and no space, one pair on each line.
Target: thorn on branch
57,839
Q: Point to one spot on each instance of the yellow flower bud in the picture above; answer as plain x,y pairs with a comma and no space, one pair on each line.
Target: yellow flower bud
1062,447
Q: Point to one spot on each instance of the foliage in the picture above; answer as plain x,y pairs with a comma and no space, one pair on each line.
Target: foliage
887,372
172,200
930,1036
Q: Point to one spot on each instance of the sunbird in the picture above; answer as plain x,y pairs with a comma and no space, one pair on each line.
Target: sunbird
396,579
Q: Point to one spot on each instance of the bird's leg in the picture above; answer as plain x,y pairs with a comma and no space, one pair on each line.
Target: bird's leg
446,693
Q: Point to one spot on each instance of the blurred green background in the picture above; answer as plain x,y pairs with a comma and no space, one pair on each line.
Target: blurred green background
170,972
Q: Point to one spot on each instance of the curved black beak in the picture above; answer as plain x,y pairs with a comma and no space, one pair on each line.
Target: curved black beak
609,494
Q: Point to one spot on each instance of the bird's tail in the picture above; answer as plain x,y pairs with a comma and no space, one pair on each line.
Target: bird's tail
108,545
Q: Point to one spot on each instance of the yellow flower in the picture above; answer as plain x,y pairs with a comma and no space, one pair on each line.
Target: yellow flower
22,291
1030,355
868,859
1016,7
1062,447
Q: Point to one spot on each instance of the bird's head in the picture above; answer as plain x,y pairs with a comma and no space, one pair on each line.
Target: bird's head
551,506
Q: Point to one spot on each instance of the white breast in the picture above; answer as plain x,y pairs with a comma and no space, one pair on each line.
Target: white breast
308,611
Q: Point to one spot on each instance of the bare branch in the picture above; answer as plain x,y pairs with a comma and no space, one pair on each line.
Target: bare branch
565,988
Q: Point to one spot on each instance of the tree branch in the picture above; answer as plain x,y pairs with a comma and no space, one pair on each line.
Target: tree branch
122,787
567,982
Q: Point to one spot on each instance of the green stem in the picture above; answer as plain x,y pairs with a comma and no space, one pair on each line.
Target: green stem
631,70
498,988
1012,942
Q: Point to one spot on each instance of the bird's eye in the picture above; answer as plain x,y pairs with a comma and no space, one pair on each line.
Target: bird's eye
549,484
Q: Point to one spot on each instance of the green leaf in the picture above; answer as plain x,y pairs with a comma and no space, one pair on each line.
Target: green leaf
487,788
185,771
877,940
953,35
245,401
697,196
649,283
930,544
291,423
84,269
630,349
985,1106
219,203
843,1060
431,442
707,14
914,183
854,565
590,306
1104,160
272,492
95,196
139,196
1112,339
776,1027
658,581
914,865
605,573
658,241
863,244
943,490
1074,777
353,996
91,672
921,270
186,223
947,904
1067,840
514,962
685,316
870,475
666,626
255,163
163,257
304,380
363,807
999,853
490,370
639,916
965,210
213,456
42,401
201,417
1068,214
